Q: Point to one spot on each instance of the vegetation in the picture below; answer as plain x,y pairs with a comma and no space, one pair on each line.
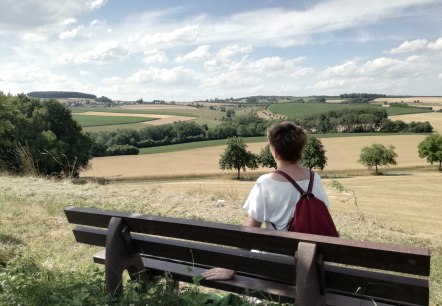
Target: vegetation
314,154
60,95
248,125
266,158
361,97
377,155
431,149
237,157
40,138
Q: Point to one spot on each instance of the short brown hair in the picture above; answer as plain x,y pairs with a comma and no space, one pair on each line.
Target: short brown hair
288,140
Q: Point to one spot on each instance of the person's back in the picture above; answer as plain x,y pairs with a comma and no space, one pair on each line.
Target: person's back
272,198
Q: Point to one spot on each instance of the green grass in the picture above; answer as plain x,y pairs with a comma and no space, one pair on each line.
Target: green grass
302,110
196,145
89,121
220,142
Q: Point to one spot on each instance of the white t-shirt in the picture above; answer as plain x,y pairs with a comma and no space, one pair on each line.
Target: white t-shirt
274,201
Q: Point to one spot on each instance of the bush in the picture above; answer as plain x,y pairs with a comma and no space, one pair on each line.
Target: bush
122,150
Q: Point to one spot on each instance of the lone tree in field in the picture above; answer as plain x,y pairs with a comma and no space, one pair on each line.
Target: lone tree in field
266,158
431,148
314,154
236,156
377,155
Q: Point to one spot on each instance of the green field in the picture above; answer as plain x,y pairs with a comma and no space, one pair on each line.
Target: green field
220,142
302,110
91,121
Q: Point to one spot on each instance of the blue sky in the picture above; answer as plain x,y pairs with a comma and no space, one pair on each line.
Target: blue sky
202,49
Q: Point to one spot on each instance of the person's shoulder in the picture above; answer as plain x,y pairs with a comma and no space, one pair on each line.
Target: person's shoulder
263,178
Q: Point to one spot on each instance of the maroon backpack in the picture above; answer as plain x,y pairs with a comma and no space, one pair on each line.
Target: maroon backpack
311,214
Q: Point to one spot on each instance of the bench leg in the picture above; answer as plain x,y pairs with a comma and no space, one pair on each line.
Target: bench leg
308,280
121,255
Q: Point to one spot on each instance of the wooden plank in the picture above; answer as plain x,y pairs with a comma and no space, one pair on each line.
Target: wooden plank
246,285
392,287
396,258
338,279
268,266
240,284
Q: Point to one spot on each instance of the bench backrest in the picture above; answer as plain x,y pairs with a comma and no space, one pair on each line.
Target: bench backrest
214,244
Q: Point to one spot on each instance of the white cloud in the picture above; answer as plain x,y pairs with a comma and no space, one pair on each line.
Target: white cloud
84,72
29,74
347,68
95,22
68,21
34,37
200,53
185,34
439,76
103,52
70,34
417,45
410,46
176,75
154,56
96,4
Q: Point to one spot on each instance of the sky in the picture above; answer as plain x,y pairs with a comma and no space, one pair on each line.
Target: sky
205,49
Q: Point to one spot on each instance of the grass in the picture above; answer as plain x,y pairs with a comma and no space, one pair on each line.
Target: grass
41,264
196,145
302,110
92,121
220,142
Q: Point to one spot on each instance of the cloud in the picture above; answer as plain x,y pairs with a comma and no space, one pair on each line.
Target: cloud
200,53
154,56
70,34
185,34
439,76
417,45
95,22
176,75
96,4
229,56
103,52
29,74
33,37
33,15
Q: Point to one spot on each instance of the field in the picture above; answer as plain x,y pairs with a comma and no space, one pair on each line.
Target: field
85,120
342,154
302,110
401,208
434,102
167,114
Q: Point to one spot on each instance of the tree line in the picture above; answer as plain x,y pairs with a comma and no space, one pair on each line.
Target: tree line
362,120
111,142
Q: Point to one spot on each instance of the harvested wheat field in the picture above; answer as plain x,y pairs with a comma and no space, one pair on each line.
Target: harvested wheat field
434,102
156,106
342,154
162,119
434,118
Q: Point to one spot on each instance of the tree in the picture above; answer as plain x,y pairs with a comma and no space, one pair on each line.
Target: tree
377,155
266,158
236,156
40,137
314,154
431,148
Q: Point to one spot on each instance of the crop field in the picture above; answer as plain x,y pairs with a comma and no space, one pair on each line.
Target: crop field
88,121
342,154
434,102
435,119
302,110
167,113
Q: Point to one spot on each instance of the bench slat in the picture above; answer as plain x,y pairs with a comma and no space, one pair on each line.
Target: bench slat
339,279
240,284
396,258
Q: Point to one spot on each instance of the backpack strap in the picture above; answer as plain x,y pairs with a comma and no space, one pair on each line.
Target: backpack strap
310,184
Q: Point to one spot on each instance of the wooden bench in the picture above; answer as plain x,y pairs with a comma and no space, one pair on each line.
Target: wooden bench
313,270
